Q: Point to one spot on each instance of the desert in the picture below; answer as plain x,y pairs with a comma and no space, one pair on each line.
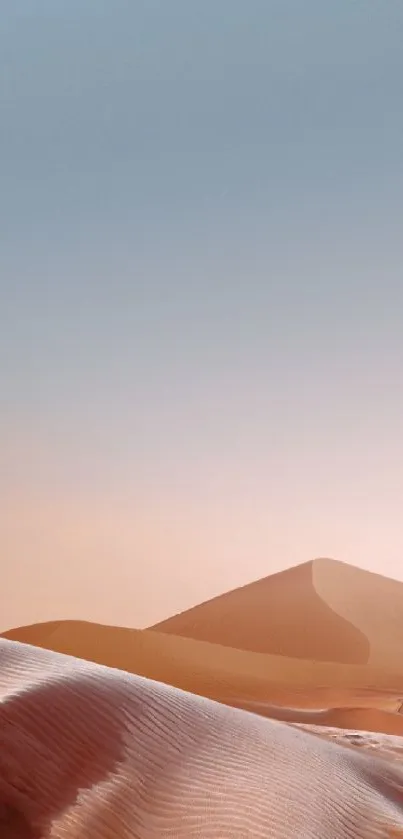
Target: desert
293,674
201,414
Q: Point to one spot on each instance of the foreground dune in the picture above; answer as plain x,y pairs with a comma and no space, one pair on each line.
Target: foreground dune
387,745
354,696
323,610
359,719
86,751
290,610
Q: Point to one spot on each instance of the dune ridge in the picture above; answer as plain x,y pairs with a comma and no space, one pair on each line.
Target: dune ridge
373,603
273,686
89,751
323,610
122,645
334,687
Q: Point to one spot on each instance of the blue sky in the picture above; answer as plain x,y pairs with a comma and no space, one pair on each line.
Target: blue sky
201,254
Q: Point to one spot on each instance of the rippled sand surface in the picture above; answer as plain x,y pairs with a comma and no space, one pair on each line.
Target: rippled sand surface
88,751
305,669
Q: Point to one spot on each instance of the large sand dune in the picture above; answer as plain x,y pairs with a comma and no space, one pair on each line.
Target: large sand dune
284,611
275,686
90,752
135,650
323,610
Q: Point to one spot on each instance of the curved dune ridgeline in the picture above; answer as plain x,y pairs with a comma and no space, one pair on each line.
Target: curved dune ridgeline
255,682
338,676
86,751
372,603
323,610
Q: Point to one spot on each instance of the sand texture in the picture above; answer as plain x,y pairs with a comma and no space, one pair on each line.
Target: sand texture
313,652
92,752
322,681
274,686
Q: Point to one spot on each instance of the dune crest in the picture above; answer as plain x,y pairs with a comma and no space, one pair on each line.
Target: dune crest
323,610
338,675
354,694
89,751
372,603
272,686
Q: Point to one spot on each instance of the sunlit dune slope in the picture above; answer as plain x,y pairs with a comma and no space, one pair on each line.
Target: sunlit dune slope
95,753
360,719
253,681
323,610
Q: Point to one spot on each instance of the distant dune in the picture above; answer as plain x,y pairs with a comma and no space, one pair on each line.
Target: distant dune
91,753
293,690
341,670
323,610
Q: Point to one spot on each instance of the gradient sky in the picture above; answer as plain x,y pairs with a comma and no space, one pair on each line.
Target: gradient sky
201,298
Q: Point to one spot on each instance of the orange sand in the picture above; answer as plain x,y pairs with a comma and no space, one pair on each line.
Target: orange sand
319,644
323,610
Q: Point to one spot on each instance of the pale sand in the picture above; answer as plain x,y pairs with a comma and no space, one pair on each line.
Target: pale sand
388,746
92,753
282,688
356,683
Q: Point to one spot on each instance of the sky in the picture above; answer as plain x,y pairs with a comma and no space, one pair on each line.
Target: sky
201,291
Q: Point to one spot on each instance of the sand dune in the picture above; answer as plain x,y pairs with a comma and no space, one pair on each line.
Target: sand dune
323,610
127,648
388,746
274,686
334,687
344,717
90,752
372,603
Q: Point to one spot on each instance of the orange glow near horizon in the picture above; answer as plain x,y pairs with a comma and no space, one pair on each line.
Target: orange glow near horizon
120,556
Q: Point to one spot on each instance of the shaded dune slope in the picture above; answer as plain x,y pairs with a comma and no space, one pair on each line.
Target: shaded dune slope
88,751
323,610
281,614
374,604
275,647
273,686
